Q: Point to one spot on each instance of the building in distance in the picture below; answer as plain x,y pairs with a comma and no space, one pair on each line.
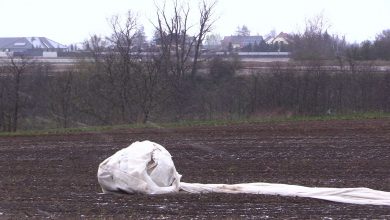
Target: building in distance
239,42
30,46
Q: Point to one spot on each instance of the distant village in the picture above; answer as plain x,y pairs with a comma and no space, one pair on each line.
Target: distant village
241,45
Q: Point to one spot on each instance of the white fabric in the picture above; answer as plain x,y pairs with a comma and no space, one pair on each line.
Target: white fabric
143,167
147,167
345,195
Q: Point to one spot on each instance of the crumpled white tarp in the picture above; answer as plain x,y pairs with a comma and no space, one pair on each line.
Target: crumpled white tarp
143,167
147,167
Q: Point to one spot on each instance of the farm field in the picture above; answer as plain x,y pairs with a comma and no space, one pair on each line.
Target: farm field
54,176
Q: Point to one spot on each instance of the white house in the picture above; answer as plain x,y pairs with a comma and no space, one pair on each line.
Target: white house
281,38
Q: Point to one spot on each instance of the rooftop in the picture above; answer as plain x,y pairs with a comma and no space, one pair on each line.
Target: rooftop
29,43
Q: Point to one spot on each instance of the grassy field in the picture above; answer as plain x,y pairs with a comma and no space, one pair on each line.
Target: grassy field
193,123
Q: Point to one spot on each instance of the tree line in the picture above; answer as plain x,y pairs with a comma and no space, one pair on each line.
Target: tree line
316,43
118,84
105,94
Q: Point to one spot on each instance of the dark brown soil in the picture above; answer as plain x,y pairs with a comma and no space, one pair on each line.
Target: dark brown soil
54,176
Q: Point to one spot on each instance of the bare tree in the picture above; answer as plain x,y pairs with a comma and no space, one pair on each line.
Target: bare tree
315,43
96,45
61,95
113,68
122,41
382,45
149,87
206,23
3,99
213,41
15,67
243,31
124,78
177,43
180,45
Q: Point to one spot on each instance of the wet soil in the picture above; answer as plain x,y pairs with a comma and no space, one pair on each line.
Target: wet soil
54,176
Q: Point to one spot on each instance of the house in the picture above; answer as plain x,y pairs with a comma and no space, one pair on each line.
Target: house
268,39
282,41
31,46
238,42
281,38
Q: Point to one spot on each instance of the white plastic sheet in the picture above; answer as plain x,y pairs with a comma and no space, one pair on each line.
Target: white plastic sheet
147,167
143,167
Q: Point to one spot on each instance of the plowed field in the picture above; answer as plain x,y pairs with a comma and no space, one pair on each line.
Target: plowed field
54,176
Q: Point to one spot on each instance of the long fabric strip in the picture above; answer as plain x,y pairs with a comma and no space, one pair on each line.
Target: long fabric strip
364,196
147,167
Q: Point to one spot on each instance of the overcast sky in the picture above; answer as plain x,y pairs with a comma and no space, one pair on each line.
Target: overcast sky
71,21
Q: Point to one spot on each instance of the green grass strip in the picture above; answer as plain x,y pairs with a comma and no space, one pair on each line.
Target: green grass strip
197,123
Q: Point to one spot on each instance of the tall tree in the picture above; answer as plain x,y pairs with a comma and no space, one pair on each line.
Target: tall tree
205,25
115,61
243,31
180,46
61,97
382,45
15,67
213,40
177,37
315,43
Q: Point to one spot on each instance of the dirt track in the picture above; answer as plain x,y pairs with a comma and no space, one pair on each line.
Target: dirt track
54,176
